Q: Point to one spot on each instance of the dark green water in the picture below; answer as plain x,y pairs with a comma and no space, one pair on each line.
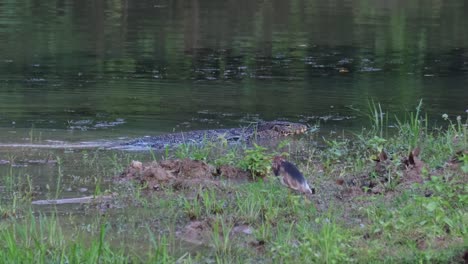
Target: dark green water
87,70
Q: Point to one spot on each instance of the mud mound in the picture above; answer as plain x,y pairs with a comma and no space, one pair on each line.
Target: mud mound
231,172
151,175
188,168
179,173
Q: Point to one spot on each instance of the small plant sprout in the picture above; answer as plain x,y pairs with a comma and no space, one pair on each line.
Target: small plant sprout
257,161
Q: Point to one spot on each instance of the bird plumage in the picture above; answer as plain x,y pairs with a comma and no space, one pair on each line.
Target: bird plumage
290,175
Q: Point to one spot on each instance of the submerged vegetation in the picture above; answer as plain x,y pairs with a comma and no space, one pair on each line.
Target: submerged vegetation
384,195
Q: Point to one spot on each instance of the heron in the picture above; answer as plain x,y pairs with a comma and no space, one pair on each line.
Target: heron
290,176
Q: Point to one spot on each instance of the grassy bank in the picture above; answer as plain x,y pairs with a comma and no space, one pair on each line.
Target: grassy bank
365,209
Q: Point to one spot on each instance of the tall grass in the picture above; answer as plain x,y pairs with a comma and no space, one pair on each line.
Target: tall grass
42,240
377,118
413,127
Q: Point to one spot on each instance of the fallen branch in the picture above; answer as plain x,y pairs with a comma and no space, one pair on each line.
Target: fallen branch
78,200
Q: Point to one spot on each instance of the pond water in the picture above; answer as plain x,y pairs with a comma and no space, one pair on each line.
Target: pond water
92,70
